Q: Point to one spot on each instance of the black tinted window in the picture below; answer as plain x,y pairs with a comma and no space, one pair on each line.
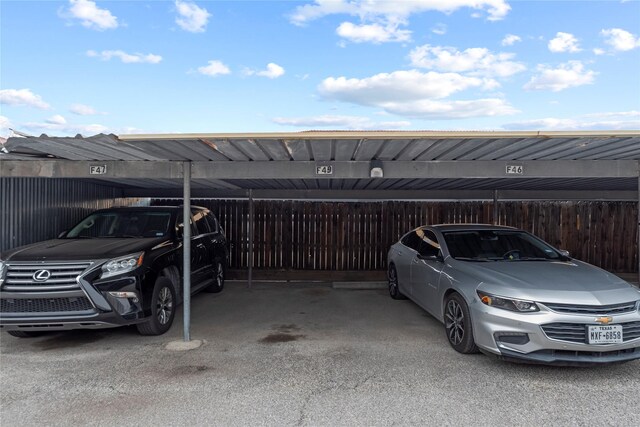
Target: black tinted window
428,244
180,224
411,240
199,217
122,223
213,222
497,245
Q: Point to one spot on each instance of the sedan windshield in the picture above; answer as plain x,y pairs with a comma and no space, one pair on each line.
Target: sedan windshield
122,224
498,245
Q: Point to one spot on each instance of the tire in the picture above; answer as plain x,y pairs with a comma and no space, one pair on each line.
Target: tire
457,324
25,334
218,279
394,287
163,308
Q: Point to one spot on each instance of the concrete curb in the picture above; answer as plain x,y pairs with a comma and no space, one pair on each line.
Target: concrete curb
359,285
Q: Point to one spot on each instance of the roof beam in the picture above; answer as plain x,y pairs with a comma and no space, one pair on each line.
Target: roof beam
477,169
503,195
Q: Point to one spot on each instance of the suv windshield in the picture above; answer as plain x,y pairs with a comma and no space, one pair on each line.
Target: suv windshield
497,245
122,224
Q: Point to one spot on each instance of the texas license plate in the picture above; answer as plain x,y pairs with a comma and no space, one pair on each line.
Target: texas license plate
610,334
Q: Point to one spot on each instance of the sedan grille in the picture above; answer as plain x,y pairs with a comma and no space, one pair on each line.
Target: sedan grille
595,310
21,277
44,305
577,332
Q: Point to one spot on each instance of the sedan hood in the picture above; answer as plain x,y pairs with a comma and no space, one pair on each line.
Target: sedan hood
570,282
80,249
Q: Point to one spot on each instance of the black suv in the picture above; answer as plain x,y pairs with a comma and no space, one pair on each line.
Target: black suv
116,267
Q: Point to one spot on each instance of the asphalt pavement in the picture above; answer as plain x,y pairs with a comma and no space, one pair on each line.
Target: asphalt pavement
297,354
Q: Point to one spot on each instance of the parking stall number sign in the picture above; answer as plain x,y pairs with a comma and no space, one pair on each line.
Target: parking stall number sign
324,170
515,169
97,169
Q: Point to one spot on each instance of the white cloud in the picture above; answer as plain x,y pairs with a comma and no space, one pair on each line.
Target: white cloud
58,125
620,39
567,75
510,39
475,61
5,124
598,51
273,71
430,109
214,68
416,94
82,110
91,16
389,10
22,97
339,122
191,17
439,29
56,120
399,85
628,120
374,33
564,42
125,57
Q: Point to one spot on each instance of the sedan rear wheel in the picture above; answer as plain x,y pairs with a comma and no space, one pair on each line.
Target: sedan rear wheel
394,288
457,322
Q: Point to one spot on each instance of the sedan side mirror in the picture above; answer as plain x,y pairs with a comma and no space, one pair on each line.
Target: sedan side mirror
565,253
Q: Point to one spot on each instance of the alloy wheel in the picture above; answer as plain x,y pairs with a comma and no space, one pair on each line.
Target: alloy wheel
454,322
164,306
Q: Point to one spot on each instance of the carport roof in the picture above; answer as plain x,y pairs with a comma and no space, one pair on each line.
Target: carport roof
430,163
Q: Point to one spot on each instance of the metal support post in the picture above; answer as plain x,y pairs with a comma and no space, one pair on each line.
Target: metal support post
250,261
186,249
638,239
495,207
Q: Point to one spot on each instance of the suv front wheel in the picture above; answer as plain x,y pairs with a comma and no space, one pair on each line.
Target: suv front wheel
163,308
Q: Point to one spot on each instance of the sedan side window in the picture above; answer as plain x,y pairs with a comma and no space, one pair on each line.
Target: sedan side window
429,245
411,240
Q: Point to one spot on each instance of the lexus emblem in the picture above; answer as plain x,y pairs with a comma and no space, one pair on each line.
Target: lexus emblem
41,275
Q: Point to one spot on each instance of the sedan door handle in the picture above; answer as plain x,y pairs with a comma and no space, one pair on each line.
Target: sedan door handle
415,260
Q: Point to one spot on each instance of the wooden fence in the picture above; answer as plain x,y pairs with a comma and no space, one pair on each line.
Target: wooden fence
355,236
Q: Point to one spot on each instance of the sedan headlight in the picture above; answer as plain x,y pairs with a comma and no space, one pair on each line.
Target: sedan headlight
510,304
122,265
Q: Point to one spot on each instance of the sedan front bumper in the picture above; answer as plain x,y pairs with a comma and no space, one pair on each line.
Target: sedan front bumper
522,336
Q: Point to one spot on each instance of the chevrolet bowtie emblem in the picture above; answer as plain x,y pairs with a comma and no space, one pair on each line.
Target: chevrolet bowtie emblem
605,320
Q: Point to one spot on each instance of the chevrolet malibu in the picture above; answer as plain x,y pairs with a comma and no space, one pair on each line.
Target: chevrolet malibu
503,291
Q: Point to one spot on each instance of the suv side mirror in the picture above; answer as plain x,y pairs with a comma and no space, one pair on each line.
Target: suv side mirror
180,231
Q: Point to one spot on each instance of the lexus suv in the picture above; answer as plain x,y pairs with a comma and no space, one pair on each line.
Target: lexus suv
119,266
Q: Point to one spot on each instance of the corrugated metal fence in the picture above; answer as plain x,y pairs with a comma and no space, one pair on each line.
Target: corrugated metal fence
347,236
34,209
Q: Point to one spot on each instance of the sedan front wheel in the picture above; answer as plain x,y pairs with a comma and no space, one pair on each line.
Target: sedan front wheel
457,323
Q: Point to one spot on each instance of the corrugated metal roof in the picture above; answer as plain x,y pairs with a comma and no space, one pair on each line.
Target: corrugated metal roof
339,145
348,146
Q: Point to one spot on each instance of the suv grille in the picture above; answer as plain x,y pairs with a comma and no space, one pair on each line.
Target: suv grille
44,305
596,310
577,332
62,276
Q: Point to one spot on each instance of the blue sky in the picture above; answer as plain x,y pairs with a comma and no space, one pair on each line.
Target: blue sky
86,67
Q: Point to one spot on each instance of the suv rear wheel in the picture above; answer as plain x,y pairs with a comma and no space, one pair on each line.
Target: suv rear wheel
163,308
218,279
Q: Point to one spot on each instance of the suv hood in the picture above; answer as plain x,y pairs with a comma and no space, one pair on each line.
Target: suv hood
81,249
568,282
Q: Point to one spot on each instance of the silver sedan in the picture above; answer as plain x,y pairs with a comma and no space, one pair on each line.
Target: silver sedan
505,292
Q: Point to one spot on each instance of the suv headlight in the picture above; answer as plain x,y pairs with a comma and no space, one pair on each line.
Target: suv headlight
122,265
2,264
510,304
